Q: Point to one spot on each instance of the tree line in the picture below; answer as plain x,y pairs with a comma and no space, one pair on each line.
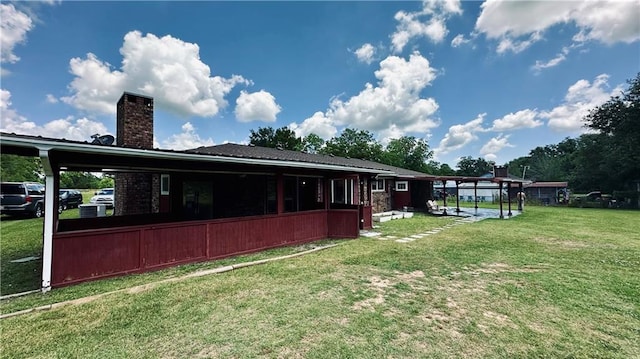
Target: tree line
607,158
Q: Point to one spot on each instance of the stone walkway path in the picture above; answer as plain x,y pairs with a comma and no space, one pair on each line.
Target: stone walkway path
414,237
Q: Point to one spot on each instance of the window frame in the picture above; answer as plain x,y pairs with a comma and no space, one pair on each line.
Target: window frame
165,191
406,186
375,182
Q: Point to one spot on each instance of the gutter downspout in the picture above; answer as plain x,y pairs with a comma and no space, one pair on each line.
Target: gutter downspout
49,212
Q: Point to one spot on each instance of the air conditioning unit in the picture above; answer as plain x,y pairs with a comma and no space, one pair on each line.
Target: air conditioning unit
92,210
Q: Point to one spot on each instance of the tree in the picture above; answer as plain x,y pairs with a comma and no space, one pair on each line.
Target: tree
14,168
312,143
355,144
548,163
283,138
79,180
468,166
619,120
408,152
439,169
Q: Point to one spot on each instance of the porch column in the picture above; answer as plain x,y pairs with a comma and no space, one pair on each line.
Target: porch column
280,193
49,213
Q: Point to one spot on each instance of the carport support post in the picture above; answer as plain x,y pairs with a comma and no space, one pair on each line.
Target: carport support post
500,199
457,197
49,213
444,196
475,193
509,197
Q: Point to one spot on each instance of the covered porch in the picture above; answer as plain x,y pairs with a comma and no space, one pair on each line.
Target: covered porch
178,207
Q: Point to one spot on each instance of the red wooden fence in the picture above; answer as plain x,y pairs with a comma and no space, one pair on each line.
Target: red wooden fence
97,253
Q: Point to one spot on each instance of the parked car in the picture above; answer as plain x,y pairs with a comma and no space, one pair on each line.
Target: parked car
22,198
70,198
104,196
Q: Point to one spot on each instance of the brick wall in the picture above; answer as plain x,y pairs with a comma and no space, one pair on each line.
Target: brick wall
135,121
136,193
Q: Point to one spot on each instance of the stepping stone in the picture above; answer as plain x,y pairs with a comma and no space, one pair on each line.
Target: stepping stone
25,259
417,236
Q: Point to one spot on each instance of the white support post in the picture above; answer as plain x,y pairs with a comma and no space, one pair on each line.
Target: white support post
49,212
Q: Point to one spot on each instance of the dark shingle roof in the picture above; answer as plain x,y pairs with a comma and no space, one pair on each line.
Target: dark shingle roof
256,152
231,150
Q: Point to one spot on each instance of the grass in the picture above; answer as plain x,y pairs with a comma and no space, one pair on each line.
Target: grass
21,237
553,282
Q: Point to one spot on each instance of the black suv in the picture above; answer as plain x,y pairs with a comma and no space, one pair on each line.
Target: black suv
70,198
22,198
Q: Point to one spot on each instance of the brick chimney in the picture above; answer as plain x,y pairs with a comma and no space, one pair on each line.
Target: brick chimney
135,121
135,193
500,171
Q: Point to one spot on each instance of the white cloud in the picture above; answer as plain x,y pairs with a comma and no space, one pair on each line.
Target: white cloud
410,24
15,24
459,40
460,135
390,133
395,100
256,106
365,53
516,46
187,139
515,121
51,99
68,128
511,21
580,98
495,145
318,124
165,68
560,57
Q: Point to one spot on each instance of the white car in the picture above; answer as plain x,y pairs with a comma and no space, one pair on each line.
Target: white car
103,196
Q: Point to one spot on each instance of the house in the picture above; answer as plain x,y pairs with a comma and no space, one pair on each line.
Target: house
548,192
176,207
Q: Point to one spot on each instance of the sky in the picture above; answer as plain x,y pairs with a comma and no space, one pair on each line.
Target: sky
491,79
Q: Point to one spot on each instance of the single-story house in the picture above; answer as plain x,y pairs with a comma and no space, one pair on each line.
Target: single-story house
176,207
548,192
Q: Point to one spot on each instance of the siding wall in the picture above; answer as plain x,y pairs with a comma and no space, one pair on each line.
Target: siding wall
91,254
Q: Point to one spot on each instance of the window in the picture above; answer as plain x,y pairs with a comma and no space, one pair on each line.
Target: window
377,185
342,191
164,185
303,194
402,186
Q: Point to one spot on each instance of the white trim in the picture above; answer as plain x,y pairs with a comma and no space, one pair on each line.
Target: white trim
47,235
406,186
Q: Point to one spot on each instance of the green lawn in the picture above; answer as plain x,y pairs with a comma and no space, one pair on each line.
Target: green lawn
552,282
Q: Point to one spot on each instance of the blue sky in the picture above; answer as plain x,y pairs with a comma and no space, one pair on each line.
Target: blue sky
488,79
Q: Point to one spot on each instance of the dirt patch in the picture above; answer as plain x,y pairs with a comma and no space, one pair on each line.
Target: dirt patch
369,303
498,319
410,276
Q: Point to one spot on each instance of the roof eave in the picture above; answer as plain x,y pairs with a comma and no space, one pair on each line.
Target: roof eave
47,145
